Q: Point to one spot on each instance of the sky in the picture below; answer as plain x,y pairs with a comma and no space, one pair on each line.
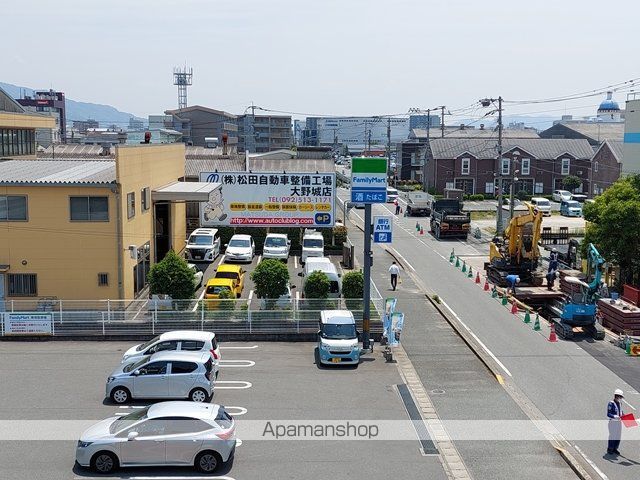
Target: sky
323,57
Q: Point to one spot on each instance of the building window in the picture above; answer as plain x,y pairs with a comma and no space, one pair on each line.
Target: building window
566,164
490,188
17,142
539,187
103,279
465,166
141,269
13,208
526,166
22,285
131,204
448,185
89,209
145,198
595,188
595,166
506,163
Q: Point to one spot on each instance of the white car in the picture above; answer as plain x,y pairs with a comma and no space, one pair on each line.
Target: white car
177,341
197,275
276,245
240,249
201,435
542,204
561,195
163,375
203,245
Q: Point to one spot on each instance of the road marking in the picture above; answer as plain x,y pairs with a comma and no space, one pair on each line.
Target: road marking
238,363
403,259
242,385
222,259
590,462
238,348
500,379
295,261
250,295
240,410
506,370
259,259
628,403
195,307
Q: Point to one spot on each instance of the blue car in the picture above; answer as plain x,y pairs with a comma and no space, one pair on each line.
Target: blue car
571,208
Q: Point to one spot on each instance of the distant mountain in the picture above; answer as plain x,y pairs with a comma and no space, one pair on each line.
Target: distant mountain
105,114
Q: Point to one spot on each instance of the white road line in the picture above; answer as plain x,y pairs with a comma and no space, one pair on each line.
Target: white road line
233,347
237,363
134,406
295,261
590,462
297,295
227,385
403,259
477,339
240,410
195,307
250,295
259,259
222,259
628,404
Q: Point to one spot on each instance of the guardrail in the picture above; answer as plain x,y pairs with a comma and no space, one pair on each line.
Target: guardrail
71,318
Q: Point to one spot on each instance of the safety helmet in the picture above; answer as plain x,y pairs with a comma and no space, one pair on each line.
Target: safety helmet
618,393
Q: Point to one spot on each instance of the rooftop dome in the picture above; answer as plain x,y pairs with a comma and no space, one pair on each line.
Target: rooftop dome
609,103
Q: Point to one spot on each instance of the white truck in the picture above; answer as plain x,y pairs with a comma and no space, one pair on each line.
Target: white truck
419,203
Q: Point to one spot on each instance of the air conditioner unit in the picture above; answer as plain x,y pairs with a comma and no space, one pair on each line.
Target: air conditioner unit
133,252
579,172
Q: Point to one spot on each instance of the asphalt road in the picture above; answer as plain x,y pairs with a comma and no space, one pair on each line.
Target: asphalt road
56,384
563,380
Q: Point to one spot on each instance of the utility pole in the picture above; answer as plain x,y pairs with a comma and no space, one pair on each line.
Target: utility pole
425,186
512,172
499,226
395,170
442,122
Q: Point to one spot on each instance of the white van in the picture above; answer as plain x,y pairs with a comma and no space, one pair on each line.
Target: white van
312,245
338,338
543,205
323,264
203,245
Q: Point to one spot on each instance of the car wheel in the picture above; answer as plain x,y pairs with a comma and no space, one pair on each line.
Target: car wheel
198,395
120,395
207,462
104,462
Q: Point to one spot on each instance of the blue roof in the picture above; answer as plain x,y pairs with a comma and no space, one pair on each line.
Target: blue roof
609,105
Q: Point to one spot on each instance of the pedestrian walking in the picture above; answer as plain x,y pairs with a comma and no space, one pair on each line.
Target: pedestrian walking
512,281
397,205
551,279
614,412
394,270
553,260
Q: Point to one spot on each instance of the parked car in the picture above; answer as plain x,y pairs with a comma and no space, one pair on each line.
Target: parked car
338,338
215,286
240,249
164,375
163,434
324,264
232,272
571,208
283,302
197,275
579,197
542,204
560,195
177,341
203,245
312,245
276,245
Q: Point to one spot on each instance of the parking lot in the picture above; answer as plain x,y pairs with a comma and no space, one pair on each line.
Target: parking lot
56,391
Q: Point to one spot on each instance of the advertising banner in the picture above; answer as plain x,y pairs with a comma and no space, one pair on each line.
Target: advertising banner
270,200
27,324
369,180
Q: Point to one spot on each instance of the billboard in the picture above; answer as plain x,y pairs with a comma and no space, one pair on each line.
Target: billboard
270,199
27,324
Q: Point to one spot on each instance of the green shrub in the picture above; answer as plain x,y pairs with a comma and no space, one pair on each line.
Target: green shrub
340,235
316,285
172,276
353,289
271,278
523,195
227,299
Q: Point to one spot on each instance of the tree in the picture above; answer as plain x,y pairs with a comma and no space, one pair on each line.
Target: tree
614,227
353,289
316,285
571,182
172,276
271,278
227,300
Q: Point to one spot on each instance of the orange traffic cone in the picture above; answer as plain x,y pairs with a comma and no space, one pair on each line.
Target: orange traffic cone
486,285
421,231
552,334
478,277
514,307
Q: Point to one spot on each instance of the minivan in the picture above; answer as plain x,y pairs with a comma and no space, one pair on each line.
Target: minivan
276,246
338,338
542,204
203,245
392,194
312,245
164,375
323,264
571,208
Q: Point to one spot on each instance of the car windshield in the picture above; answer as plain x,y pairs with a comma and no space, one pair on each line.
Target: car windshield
216,289
275,242
134,366
200,240
147,344
338,331
239,243
128,420
543,203
573,204
312,243
231,275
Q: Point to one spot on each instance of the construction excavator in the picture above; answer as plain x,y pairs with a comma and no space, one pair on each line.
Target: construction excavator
579,308
516,252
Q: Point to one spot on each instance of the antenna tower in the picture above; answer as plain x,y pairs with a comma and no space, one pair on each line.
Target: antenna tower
183,78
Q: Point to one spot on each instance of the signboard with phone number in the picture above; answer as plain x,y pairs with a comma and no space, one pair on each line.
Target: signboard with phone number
28,324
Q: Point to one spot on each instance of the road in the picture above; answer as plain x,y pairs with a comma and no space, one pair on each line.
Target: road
563,380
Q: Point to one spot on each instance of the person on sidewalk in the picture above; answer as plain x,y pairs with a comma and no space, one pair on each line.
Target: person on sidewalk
614,412
397,205
512,281
551,279
394,270
553,260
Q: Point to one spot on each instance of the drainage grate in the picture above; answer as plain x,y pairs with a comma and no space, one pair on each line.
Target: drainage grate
428,447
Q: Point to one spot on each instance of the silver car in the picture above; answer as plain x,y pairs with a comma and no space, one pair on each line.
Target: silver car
167,433
164,375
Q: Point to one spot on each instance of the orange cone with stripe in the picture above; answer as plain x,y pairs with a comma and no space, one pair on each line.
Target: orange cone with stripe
552,334
486,285
514,307
478,277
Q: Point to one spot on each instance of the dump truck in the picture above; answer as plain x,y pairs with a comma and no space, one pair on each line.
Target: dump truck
419,203
448,219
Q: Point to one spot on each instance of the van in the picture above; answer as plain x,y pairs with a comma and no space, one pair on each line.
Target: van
542,204
203,245
312,245
392,194
571,208
323,264
338,338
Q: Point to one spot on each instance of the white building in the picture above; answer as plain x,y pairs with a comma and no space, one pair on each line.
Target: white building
357,133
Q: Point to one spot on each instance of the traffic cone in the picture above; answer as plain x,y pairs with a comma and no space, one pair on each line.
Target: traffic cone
486,284
527,317
457,262
536,323
552,334
452,256
514,307
417,226
628,349
478,277
505,300
421,231
464,266
494,292
470,275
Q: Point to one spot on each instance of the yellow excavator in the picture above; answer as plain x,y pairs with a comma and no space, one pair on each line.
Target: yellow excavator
517,253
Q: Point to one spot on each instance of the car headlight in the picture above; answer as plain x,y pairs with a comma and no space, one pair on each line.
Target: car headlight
82,444
355,347
110,379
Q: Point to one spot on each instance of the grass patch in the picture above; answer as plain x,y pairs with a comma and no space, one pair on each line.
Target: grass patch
482,215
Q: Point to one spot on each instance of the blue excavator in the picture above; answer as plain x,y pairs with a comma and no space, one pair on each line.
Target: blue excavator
579,308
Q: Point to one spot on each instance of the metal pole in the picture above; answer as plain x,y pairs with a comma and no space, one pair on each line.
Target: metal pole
60,309
442,122
368,259
425,185
499,213
512,171
395,170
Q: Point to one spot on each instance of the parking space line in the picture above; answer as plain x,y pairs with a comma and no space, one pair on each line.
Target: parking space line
195,307
295,261
250,295
242,385
237,363
259,259
240,410
233,347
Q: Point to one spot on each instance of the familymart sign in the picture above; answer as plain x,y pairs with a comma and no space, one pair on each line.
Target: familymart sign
369,180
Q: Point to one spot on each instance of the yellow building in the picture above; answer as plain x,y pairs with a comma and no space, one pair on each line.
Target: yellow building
90,229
